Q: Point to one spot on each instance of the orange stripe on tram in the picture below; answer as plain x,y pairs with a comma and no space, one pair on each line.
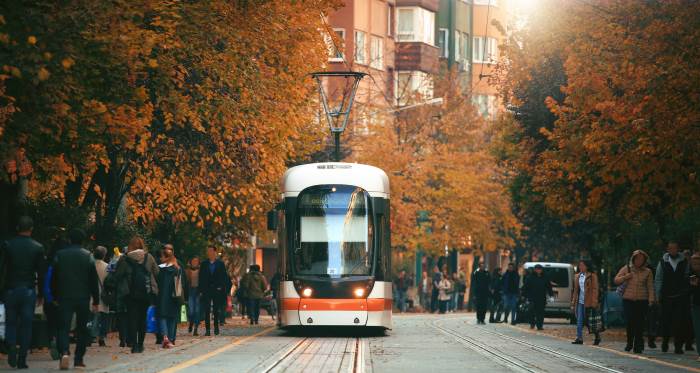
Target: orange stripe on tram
378,304
314,304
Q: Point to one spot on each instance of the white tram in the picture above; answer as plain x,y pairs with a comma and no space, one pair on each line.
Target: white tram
334,246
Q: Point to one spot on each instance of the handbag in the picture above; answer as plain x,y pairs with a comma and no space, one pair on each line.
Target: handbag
595,323
151,320
623,286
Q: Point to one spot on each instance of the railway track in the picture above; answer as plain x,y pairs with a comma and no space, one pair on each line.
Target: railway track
507,359
344,355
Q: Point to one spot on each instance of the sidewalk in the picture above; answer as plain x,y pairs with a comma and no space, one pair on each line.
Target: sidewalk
614,340
98,358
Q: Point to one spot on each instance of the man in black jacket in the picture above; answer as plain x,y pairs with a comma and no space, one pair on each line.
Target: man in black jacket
537,288
24,261
496,296
511,291
672,287
76,282
212,288
481,282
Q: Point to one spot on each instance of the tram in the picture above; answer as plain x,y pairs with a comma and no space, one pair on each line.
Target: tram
334,246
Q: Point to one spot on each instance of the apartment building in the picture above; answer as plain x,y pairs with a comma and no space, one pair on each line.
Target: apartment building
366,31
486,39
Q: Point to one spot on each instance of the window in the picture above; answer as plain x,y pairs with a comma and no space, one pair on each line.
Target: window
410,83
376,53
406,25
463,46
417,25
335,232
360,48
459,53
485,105
485,50
336,47
444,42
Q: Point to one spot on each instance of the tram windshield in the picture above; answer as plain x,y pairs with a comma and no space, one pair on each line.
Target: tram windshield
335,237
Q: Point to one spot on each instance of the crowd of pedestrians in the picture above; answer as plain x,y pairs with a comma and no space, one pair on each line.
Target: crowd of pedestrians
88,294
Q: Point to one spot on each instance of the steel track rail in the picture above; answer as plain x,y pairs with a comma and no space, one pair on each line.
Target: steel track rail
551,351
285,356
511,363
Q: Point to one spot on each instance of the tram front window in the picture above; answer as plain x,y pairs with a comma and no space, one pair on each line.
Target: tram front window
335,237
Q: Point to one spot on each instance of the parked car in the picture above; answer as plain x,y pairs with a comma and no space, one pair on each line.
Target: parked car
561,276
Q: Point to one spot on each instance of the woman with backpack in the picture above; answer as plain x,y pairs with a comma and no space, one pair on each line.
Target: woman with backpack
584,302
136,277
171,295
636,285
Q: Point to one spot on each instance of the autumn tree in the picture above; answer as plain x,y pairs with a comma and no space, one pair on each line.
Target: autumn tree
184,112
438,163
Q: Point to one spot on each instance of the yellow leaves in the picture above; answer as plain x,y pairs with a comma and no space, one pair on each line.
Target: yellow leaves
31,40
43,74
67,63
152,63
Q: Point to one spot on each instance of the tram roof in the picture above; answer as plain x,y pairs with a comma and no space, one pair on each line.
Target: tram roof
370,178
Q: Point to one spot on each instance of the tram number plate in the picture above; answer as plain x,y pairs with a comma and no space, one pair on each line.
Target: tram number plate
332,271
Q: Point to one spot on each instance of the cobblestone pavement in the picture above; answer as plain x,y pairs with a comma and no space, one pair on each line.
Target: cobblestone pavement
417,343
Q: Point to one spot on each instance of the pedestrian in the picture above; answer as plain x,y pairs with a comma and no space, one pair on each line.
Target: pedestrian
537,288
496,296
695,294
24,262
585,301
637,294
462,288
672,290
50,304
103,312
424,291
401,286
194,309
118,309
255,286
434,297
242,300
76,283
511,292
171,295
653,317
480,288
212,289
136,275
443,288
275,282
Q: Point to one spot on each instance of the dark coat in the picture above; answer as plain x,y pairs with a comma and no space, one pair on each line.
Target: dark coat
166,303
75,275
496,286
481,282
254,284
511,283
24,261
216,283
536,288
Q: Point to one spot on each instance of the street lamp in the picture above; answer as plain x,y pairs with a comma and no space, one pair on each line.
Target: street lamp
337,113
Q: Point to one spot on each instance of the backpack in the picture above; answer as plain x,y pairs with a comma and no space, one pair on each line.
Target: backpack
140,281
109,290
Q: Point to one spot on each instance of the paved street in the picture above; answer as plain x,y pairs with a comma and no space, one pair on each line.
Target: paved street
418,343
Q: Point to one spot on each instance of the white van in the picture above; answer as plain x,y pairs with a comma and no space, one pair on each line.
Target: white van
561,276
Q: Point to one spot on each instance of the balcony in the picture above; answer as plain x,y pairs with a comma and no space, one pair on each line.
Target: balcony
417,56
431,5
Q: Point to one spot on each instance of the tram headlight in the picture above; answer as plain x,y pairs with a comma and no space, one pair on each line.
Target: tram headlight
359,292
307,292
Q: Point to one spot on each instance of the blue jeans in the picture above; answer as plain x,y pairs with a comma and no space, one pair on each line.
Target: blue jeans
194,307
510,303
19,311
168,327
401,300
580,316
